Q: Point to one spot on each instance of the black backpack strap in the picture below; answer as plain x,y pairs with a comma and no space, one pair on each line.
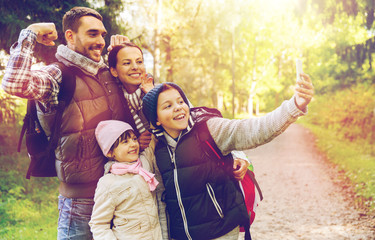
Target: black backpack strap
252,177
67,88
28,121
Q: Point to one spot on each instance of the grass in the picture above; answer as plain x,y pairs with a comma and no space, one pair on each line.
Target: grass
28,208
27,220
355,158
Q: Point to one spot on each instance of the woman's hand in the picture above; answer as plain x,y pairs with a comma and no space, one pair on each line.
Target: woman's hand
304,91
144,140
117,40
147,83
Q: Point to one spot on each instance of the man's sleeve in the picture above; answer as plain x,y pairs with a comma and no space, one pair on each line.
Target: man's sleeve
21,81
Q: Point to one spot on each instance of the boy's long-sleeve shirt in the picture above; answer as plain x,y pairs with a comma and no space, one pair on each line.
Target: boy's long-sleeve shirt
249,133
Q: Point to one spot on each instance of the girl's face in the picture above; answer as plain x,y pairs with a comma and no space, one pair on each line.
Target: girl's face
130,68
173,113
127,150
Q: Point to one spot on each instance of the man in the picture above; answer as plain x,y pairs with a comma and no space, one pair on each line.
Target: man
97,97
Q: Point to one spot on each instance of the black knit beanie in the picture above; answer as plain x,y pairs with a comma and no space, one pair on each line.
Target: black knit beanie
150,101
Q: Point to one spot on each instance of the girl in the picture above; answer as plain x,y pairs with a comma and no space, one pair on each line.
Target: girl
202,201
126,193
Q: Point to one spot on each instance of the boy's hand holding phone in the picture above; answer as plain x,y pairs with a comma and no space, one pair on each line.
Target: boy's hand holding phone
305,89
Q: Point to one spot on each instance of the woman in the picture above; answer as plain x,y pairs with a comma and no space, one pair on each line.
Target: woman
126,64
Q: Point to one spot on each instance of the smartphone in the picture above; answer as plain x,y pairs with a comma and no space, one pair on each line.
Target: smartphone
299,68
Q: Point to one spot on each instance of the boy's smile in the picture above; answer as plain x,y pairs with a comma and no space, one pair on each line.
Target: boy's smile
173,113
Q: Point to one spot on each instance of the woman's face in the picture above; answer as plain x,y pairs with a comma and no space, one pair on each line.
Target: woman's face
130,68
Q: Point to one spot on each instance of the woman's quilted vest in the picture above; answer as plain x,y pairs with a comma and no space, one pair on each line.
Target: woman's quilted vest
203,200
79,159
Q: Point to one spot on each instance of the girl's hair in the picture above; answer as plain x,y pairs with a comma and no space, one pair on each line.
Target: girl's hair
123,136
112,56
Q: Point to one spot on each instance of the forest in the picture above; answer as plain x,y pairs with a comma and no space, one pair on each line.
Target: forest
235,55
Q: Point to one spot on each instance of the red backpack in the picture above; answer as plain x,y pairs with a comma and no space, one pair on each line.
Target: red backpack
248,184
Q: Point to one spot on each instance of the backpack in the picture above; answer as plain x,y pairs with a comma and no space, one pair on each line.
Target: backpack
40,148
248,184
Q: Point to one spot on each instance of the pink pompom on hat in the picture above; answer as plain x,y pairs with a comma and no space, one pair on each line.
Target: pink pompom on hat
107,132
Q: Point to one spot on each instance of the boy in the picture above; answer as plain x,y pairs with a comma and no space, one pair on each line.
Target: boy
202,200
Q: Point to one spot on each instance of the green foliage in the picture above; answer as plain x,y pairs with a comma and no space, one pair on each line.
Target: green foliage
350,113
18,14
11,108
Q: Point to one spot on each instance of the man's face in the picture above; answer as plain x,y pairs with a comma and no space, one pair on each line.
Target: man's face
89,38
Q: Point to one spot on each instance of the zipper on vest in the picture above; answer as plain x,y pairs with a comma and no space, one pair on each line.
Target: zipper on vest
211,192
178,193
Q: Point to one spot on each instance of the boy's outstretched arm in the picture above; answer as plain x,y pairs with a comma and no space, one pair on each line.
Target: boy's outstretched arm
249,133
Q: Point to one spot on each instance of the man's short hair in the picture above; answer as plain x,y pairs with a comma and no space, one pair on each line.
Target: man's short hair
71,17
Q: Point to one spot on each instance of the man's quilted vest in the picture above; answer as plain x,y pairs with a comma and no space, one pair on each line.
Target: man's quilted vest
79,159
203,200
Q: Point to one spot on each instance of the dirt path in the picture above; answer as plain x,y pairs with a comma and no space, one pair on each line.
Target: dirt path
301,200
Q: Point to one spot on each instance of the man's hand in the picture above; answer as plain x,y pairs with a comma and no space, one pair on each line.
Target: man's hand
240,168
144,140
46,33
304,91
117,40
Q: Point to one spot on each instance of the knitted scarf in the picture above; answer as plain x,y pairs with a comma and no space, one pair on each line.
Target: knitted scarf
71,58
135,104
136,168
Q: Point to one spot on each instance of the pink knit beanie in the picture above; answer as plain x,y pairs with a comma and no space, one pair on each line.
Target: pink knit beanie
107,132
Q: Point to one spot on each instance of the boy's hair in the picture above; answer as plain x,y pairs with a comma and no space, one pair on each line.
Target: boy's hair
71,17
150,100
123,136
112,56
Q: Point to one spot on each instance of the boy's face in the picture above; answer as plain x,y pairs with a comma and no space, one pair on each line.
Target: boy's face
173,113
89,38
127,150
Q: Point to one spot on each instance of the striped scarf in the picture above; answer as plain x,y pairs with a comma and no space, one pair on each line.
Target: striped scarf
135,106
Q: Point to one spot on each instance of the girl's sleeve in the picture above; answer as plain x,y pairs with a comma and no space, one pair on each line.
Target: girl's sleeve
249,133
102,213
